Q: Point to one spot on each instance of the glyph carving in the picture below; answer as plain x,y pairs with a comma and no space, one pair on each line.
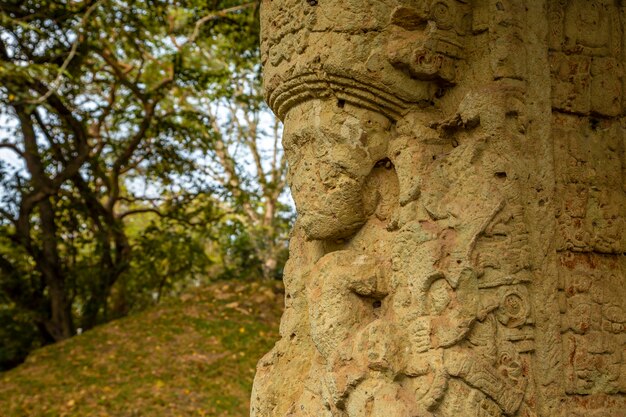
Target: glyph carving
451,256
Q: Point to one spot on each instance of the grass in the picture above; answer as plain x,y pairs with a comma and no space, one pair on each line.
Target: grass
191,357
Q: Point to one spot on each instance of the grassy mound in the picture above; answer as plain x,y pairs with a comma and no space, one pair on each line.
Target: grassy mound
191,357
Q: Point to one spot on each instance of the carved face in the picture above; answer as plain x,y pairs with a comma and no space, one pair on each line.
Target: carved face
331,148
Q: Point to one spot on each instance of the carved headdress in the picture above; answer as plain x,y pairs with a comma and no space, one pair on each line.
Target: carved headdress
381,55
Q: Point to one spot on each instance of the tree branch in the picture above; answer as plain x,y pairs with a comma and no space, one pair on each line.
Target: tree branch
12,147
80,136
141,210
216,15
7,216
79,38
121,72
128,152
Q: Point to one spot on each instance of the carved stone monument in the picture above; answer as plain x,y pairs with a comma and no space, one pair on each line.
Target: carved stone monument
459,168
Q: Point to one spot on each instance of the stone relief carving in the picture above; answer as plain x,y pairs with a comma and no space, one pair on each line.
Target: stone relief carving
414,287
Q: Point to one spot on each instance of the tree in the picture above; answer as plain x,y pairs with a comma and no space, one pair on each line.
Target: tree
254,192
108,103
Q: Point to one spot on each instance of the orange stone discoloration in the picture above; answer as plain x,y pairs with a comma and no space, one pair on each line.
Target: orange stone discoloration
459,170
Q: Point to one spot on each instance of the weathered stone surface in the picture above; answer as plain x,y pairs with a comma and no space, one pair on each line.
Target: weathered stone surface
459,171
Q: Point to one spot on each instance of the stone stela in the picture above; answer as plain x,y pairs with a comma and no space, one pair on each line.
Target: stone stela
458,169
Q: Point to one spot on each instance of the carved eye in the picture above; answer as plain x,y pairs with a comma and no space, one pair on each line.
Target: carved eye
513,310
296,140
513,305
442,15
440,11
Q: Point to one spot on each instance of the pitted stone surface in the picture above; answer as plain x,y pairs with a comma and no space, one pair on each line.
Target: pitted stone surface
459,172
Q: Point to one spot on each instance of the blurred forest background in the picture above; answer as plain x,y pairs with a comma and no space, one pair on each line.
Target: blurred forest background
137,162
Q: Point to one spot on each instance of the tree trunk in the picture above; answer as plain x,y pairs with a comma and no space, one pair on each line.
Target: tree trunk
269,266
60,324
459,174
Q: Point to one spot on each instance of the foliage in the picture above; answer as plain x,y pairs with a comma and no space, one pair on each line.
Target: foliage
194,356
17,333
260,217
128,182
